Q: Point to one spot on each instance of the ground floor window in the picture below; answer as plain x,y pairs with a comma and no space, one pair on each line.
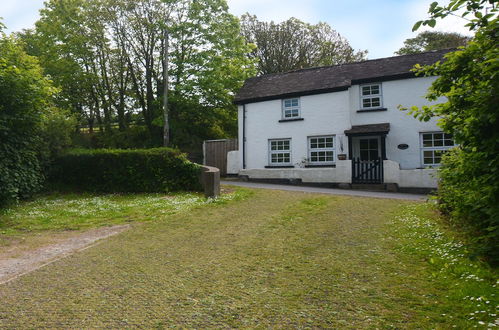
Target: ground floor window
280,152
321,150
433,146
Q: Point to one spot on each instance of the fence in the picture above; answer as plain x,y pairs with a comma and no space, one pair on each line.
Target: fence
215,153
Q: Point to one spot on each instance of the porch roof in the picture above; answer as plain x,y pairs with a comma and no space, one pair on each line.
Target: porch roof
376,129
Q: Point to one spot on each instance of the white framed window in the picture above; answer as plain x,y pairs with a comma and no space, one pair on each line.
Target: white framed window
280,152
291,108
371,96
433,146
321,150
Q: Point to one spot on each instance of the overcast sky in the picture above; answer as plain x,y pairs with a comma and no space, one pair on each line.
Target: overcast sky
379,26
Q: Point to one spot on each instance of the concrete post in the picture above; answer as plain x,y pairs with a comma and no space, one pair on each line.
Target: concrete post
210,179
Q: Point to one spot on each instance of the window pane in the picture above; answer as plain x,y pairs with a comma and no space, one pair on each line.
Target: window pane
366,103
428,153
374,89
428,140
366,90
449,143
373,144
375,102
438,143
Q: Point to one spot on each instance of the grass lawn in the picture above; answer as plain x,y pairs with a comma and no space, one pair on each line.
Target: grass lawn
253,259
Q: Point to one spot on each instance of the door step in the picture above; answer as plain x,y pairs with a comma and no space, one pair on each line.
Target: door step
374,186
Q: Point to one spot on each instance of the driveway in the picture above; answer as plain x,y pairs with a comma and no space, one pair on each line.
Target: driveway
329,191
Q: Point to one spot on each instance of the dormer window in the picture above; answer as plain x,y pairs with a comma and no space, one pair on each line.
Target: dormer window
371,96
291,108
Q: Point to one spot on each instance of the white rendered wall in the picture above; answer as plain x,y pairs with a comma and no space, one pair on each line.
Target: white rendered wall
332,114
341,174
233,162
404,129
323,114
414,178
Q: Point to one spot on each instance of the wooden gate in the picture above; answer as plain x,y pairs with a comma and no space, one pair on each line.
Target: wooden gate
367,171
215,153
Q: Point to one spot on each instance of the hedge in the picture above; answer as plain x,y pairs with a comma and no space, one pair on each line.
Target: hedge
132,170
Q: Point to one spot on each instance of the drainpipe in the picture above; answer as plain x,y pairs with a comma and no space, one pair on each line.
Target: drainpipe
244,136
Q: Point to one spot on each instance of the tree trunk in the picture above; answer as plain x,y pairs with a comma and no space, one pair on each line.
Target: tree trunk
166,123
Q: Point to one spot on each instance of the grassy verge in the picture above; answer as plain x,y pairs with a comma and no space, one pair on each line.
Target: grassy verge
471,286
71,211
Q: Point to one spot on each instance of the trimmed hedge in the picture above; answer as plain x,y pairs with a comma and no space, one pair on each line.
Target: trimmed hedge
131,170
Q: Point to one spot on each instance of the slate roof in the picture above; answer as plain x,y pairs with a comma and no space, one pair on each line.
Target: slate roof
332,78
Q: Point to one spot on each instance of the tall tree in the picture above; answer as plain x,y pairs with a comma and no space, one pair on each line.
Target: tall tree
294,44
115,49
433,40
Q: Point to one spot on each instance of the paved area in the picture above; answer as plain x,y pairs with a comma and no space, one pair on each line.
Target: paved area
12,268
331,191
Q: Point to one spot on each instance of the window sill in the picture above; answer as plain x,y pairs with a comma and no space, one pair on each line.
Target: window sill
372,110
291,119
316,166
279,166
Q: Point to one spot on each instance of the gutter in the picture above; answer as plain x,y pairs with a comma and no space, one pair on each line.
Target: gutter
244,136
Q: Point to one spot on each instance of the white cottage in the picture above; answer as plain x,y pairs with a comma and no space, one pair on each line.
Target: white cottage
340,125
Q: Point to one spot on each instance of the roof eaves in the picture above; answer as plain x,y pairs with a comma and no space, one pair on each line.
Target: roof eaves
292,94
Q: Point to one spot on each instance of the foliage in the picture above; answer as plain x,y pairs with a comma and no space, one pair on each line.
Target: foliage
470,285
469,191
294,44
55,134
107,58
113,170
135,137
432,40
25,103
481,11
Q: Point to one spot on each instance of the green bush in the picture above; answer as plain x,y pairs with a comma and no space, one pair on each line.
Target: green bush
135,137
131,170
469,196
25,101
468,79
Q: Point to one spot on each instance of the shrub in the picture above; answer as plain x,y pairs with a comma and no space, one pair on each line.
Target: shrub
25,98
134,137
132,170
468,79
469,196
